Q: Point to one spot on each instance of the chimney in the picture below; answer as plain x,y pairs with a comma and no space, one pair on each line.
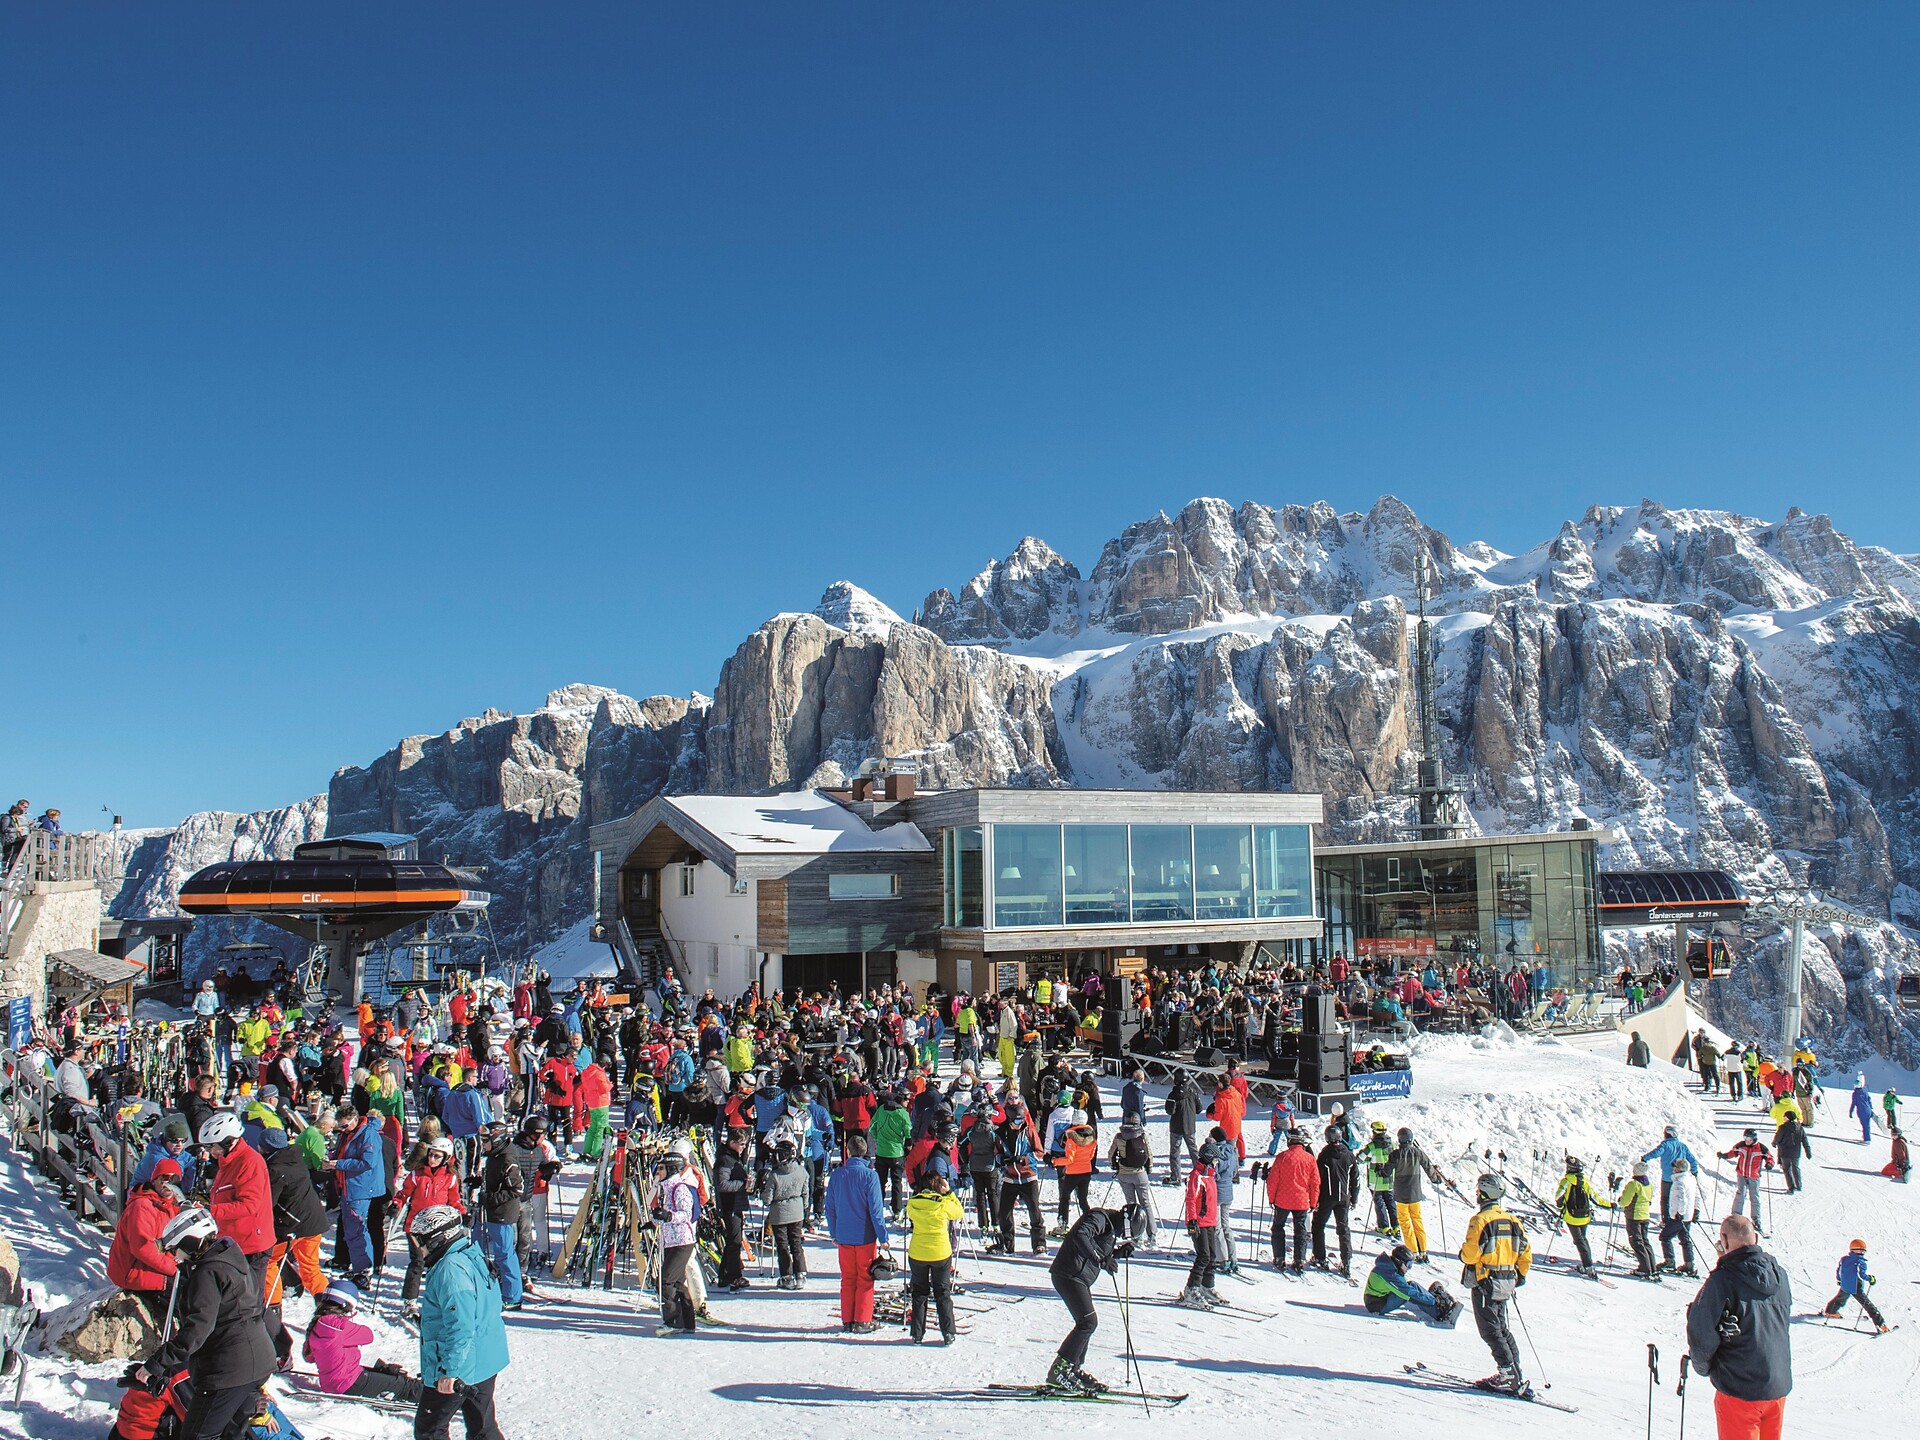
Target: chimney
862,788
899,787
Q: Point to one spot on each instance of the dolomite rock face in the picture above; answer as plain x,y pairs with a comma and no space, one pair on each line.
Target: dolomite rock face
1721,691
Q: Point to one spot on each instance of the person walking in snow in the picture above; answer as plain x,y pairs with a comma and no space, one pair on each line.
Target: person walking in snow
1494,1259
1410,1162
1738,1336
1854,1283
1750,1162
1860,1107
1790,1144
1890,1107
1636,1205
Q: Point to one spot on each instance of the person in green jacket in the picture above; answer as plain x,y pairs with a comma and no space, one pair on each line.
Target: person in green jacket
1377,1156
1890,1106
1636,1204
892,1127
739,1056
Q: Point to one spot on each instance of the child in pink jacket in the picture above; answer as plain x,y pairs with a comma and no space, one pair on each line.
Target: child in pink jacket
333,1345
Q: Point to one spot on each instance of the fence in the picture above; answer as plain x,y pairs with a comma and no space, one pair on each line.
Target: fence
44,857
87,1161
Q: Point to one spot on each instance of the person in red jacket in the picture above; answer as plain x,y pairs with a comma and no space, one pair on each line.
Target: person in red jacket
855,1107
136,1263
1202,1211
593,1092
241,1203
558,1077
1229,1111
436,1182
1293,1185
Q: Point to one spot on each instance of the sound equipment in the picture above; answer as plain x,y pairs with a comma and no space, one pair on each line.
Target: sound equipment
1179,1031
1317,1016
1113,1025
1324,1072
1283,1067
1205,1055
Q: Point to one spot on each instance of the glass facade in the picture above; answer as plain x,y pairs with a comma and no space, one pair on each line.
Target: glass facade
1038,876
1526,902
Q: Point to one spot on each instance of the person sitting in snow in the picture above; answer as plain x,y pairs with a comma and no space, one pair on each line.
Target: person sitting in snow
333,1344
1390,1286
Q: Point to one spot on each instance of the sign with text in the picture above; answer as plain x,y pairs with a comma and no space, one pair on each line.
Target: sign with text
1396,947
20,1022
1381,1084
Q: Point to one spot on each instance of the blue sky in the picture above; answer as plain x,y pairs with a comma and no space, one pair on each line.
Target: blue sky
364,366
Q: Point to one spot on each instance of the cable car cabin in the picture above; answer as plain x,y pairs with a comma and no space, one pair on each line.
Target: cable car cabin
1708,959
1907,990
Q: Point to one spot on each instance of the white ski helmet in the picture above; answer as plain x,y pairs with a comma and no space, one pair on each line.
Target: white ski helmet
1491,1187
220,1127
192,1228
436,1227
683,1148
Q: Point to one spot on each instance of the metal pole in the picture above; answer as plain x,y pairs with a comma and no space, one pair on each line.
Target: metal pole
1796,940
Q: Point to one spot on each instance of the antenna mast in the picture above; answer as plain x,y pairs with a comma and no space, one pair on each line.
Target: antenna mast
1434,794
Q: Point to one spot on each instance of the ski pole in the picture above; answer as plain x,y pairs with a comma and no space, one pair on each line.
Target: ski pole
1681,1390
1126,1329
1545,1384
1653,1379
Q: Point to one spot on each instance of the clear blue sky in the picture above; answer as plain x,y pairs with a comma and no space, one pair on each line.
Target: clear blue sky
363,366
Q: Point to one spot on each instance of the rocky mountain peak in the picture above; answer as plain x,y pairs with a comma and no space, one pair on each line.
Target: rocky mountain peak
848,606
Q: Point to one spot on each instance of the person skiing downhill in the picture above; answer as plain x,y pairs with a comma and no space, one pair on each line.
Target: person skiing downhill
1577,1202
1094,1244
1854,1282
1494,1259
1750,1160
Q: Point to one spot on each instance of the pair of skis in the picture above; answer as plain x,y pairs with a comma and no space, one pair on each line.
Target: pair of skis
1441,1380
1102,1397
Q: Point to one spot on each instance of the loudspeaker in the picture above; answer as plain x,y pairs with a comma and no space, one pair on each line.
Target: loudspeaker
1323,1073
1205,1055
1289,1044
1179,1031
1113,1024
1317,1015
1283,1067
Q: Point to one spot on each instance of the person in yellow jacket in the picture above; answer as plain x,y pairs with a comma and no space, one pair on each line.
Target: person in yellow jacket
1636,1206
1494,1260
739,1054
932,1212
1577,1202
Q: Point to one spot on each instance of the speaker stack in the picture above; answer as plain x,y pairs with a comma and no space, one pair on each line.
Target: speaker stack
1180,1031
1324,1058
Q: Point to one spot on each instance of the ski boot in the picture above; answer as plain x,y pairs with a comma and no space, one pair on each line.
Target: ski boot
1212,1296
1060,1377
1087,1384
1193,1298
1507,1380
411,1310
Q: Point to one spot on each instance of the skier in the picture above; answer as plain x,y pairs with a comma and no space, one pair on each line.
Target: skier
333,1344
1750,1161
1410,1162
1900,1165
1078,1144
1390,1285
1790,1143
1019,1182
1636,1204
1183,1110
732,1179
857,1220
1577,1200
1093,1245
1679,1208
1670,1148
932,1212
1860,1107
219,1332
1339,1187
1202,1214
1854,1284
891,1127
1378,1156
1131,1157
676,1211
1494,1260
1293,1186
1889,1105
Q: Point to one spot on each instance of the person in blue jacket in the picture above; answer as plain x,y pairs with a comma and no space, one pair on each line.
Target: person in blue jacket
1391,1285
857,1221
463,1340
169,1142
464,1111
362,1169
1861,1108
1854,1284
1671,1148
818,1147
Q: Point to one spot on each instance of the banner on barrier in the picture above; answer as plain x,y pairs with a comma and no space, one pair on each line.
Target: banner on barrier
1381,1084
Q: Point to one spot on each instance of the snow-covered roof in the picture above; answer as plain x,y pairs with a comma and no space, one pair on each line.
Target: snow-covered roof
801,822
574,954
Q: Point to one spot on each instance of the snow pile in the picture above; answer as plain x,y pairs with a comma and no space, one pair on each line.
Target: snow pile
1539,1101
574,954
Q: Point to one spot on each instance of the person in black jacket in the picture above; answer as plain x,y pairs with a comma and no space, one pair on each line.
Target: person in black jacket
219,1331
732,1178
1737,1333
299,1220
1790,1144
1091,1246
1183,1110
1339,1186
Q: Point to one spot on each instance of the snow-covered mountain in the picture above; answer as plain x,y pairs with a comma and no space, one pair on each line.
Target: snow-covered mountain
1723,691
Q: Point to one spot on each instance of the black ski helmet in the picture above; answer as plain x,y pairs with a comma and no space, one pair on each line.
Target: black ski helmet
1403,1257
1573,1165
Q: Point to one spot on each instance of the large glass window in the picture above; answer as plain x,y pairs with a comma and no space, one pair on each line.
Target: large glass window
1283,871
966,889
1223,872
1162,873
1096,874
862,887
1026,875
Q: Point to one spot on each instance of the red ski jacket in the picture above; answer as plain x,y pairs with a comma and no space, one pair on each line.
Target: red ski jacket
242,1199
136,1261
1203,1199
1293,1182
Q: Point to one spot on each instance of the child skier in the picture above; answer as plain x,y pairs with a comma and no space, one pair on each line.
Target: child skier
333,1345
1636,1204
1855,1282
1750,1160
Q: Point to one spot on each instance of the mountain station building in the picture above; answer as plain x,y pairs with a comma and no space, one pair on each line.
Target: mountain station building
980,888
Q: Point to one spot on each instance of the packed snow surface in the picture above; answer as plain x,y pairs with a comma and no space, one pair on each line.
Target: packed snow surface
588,1368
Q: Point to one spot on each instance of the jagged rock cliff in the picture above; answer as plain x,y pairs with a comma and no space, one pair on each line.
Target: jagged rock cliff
1720,690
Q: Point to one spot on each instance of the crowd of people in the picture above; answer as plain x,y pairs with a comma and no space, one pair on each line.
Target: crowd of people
971,1123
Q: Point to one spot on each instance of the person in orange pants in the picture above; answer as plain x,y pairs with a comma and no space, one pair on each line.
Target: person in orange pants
1749,1360
857,1221
1229,1111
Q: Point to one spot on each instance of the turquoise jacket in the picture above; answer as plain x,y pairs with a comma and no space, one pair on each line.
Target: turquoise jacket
461,1332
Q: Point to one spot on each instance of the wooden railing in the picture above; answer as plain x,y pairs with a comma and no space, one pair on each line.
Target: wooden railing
87,1161
46,857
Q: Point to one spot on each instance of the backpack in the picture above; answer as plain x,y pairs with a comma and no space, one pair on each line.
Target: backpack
1578,1205
1134,1153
